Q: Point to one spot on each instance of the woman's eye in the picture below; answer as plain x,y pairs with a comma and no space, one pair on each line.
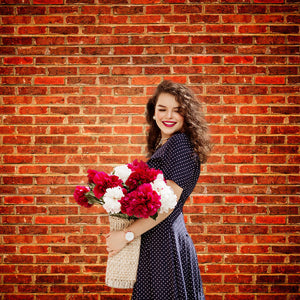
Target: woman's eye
161,110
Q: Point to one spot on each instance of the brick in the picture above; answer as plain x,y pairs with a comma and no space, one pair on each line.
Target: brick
7,50
6,30
157,70
54,279
17,139
32,90
161,9
284,29
175,18
220,28
33,249
64,90
165,29
206,60
48,19
17,100
258,90
64,51
206,39
29,71
49,40
239,199
16,20
80,20
31,10
17,279
49,220
236,18
17,159
146,19
282,70
292,50
6,70
128,10
65,289
238,60
93,30
7,90
269,139
219,9
50,60
32,30
252,9
47,80
270,220
201,18
16,80
96,9
137,40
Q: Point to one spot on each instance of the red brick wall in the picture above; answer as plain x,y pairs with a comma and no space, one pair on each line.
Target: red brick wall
75,79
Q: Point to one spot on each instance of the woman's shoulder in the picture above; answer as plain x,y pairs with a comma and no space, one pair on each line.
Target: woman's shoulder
177,143
179,139
180,144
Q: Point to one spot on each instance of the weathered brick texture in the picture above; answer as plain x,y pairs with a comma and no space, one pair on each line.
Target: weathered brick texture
75,77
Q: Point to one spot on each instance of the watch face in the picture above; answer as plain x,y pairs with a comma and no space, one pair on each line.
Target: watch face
129,236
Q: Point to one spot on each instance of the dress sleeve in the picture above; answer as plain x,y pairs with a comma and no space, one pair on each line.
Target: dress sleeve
180,162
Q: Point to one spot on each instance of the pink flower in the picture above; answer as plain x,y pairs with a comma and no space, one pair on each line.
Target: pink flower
138,165
91,175
79,196
141,203
104,181
141,174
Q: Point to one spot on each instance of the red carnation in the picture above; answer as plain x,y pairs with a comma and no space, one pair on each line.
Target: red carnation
79,196
141,175
138,165
103,182
141,203
91,175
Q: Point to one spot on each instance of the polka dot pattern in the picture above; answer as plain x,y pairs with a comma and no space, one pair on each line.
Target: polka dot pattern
168,266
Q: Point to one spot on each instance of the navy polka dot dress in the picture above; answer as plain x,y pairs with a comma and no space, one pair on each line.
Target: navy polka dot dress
168,266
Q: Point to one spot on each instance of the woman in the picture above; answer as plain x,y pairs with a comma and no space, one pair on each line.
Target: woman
177,143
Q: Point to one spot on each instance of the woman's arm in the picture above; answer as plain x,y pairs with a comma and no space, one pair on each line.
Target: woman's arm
116,239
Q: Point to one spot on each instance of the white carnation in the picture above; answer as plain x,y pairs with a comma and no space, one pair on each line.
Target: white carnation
123,172
168,198
158,184
110,198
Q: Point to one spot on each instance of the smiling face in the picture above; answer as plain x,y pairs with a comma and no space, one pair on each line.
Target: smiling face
167,115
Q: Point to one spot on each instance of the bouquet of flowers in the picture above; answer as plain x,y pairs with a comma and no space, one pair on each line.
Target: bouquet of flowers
130,192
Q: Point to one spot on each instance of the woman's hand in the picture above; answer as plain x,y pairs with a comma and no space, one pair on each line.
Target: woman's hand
115,241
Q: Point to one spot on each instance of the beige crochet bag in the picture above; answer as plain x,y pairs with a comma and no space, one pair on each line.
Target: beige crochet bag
121,268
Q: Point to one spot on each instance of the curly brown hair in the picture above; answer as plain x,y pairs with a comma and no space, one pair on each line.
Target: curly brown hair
195,126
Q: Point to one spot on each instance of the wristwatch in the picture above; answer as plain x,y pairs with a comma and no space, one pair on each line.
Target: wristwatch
129,236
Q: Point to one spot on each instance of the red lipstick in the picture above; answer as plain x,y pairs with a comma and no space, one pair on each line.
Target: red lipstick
169,123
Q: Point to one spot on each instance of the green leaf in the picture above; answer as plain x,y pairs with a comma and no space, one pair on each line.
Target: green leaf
92,199
154,216
91,186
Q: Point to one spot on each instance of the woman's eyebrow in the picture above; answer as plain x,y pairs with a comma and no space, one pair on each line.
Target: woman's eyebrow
166,106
